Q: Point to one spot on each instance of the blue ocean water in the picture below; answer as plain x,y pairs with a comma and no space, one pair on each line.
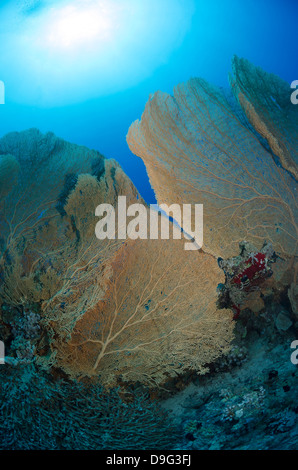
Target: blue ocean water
168,44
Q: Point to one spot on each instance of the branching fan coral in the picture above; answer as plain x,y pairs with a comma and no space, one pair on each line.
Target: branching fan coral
198,149
138,313
265,99
158,317
143,310
41,245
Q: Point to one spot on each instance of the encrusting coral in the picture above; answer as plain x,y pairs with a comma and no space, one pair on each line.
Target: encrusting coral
39,413
245,274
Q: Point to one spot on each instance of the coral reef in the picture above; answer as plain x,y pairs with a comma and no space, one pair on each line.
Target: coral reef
81,316
235,152
248,400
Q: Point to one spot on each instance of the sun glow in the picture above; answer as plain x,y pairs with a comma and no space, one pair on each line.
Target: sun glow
74,26
68,51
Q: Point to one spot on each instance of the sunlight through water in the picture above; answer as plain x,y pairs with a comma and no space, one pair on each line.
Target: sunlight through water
71,51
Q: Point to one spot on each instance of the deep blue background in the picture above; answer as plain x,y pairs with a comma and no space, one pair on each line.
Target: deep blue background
263,31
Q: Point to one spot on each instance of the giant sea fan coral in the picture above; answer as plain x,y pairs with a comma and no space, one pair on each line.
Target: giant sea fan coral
139,311
9,170
158,317
197,149
43,241
265,98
